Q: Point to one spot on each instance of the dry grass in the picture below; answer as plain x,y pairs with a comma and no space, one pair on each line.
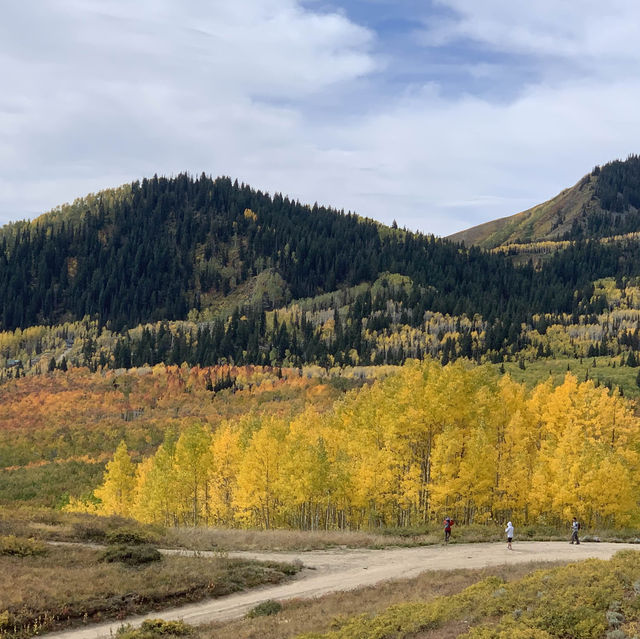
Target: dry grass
54,525
71,584
234,539
318,615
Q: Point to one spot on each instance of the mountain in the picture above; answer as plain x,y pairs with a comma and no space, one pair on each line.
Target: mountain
162,248
604,203
208,271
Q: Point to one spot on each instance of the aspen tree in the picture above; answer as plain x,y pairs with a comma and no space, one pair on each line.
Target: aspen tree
225,457
156,487
116,493
257,496
192,466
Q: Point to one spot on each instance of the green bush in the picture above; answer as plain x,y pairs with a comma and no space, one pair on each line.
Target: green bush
21,546
87,531
131,555
127,536
153,628
268,607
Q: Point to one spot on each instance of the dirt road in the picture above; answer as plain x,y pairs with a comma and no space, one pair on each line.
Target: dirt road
335,570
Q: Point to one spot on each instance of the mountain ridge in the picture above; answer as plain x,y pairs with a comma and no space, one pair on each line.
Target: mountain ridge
605,202
209,272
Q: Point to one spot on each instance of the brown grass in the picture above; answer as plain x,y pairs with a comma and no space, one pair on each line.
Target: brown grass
226,539
47,524
71,584
318,615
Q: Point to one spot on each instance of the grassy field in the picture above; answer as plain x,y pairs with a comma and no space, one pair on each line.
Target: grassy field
331,611
592,599
600,369
47,587
585,600
50,525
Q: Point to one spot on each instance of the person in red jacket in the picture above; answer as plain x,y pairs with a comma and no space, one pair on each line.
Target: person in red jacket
448,522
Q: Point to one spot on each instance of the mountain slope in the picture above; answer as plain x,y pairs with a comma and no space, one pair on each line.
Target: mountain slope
165,247
208,272
550,220
601,204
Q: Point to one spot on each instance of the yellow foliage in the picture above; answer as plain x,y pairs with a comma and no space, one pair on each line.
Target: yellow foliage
411,447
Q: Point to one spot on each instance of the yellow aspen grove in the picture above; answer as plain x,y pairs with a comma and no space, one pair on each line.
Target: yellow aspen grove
308,492
117,491
411,423
585,444
465,452
517,450
372,477
259,478
421,443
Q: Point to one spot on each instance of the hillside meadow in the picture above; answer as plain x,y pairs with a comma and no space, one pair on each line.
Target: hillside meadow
589,600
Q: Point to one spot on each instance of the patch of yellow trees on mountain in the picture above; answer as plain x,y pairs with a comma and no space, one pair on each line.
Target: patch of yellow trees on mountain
426,442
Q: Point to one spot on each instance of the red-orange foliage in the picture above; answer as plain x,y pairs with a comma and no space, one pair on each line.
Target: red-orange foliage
79,413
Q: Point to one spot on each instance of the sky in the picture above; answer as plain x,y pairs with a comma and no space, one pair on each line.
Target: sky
439,114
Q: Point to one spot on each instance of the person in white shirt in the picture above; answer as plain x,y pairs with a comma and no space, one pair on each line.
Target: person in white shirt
509,531
575,527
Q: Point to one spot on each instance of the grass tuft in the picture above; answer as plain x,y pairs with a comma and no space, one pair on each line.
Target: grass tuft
153,629
131,555
11,545
264,609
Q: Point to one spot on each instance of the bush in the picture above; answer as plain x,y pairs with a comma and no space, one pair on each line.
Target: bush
126,536
268,607
89,532
21,547
152,628
131,555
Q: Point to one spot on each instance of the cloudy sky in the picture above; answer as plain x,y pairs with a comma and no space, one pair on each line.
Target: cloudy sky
440,114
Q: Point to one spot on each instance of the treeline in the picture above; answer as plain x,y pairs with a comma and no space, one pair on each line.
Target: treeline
427,442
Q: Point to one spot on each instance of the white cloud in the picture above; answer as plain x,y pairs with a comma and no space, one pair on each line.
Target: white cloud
95,90
107,92
588,32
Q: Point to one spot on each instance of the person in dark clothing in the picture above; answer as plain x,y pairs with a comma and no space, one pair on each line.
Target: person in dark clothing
448,522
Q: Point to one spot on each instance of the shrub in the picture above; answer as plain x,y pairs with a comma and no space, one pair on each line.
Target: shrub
88,532
21,546
268,607
152,628
127,536
131,555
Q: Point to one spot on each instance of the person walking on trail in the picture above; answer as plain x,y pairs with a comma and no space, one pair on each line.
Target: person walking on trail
575,527
509,531
448,522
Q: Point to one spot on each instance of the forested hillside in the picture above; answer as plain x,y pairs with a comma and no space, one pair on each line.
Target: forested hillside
160,248
211,272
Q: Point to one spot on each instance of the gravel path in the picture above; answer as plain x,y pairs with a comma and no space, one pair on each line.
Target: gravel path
346,569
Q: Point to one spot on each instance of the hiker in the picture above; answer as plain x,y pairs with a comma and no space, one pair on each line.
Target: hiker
575,527
509,531
448,522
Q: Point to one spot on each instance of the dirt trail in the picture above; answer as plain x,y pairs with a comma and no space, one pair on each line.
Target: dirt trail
346,569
